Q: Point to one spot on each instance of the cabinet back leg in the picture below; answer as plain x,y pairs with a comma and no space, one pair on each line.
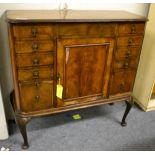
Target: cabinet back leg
127,110
22,122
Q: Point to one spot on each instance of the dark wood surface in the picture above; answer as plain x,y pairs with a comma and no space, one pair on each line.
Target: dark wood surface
71,16
92,60
36,97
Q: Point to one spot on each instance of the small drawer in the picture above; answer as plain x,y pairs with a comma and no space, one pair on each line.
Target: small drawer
36,96
127,52
34,73
121,82
84,29
133,28
33,31
33,46
125,64
130,40
35,59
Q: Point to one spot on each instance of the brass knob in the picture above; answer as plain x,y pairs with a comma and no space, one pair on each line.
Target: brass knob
36,74
35,61
37,84
128,53
126,65
58,77
37,98
121,86
34,46
34,32
133,29
130,41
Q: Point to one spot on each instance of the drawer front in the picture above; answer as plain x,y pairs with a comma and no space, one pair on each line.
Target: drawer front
35,59
127,52
122,82
125,64
33,46
33,31
129,40
134,28
36,97
98,29
35,73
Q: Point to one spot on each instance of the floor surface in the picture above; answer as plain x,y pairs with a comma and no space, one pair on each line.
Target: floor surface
98,129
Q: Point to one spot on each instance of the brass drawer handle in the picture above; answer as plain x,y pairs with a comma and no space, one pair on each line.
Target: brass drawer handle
37,98
34,46
126,65
133,29
58,77
36,74
121,86
37,84
128,53
34,32
36,62
130,41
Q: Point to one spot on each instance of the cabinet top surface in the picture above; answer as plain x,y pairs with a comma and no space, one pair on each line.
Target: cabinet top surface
15,16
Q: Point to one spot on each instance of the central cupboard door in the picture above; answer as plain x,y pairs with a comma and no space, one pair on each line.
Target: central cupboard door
83,68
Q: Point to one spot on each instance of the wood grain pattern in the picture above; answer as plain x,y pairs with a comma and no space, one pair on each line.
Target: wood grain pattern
31,74
82,61
127,52
132,28
85,65
34,59
35,97
84,70
122,82
129,40
33,31
71,107
126,63
17,102
33,46
85,29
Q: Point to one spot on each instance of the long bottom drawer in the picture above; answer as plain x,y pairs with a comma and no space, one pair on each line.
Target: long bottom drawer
36,96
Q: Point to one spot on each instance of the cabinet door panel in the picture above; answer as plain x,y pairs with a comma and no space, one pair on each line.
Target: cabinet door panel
84,66
84,70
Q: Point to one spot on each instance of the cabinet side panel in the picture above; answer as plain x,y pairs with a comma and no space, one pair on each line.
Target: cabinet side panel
146,72
13,65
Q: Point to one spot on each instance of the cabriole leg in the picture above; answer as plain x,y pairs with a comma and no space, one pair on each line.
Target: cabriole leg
22,122
129,105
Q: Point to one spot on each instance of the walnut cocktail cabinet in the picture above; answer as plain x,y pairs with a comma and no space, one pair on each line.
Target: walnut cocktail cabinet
70,60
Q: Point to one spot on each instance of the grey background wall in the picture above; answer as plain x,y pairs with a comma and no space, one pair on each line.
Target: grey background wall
5,67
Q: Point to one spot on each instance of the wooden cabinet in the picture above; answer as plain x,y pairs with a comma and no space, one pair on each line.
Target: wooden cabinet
92,55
